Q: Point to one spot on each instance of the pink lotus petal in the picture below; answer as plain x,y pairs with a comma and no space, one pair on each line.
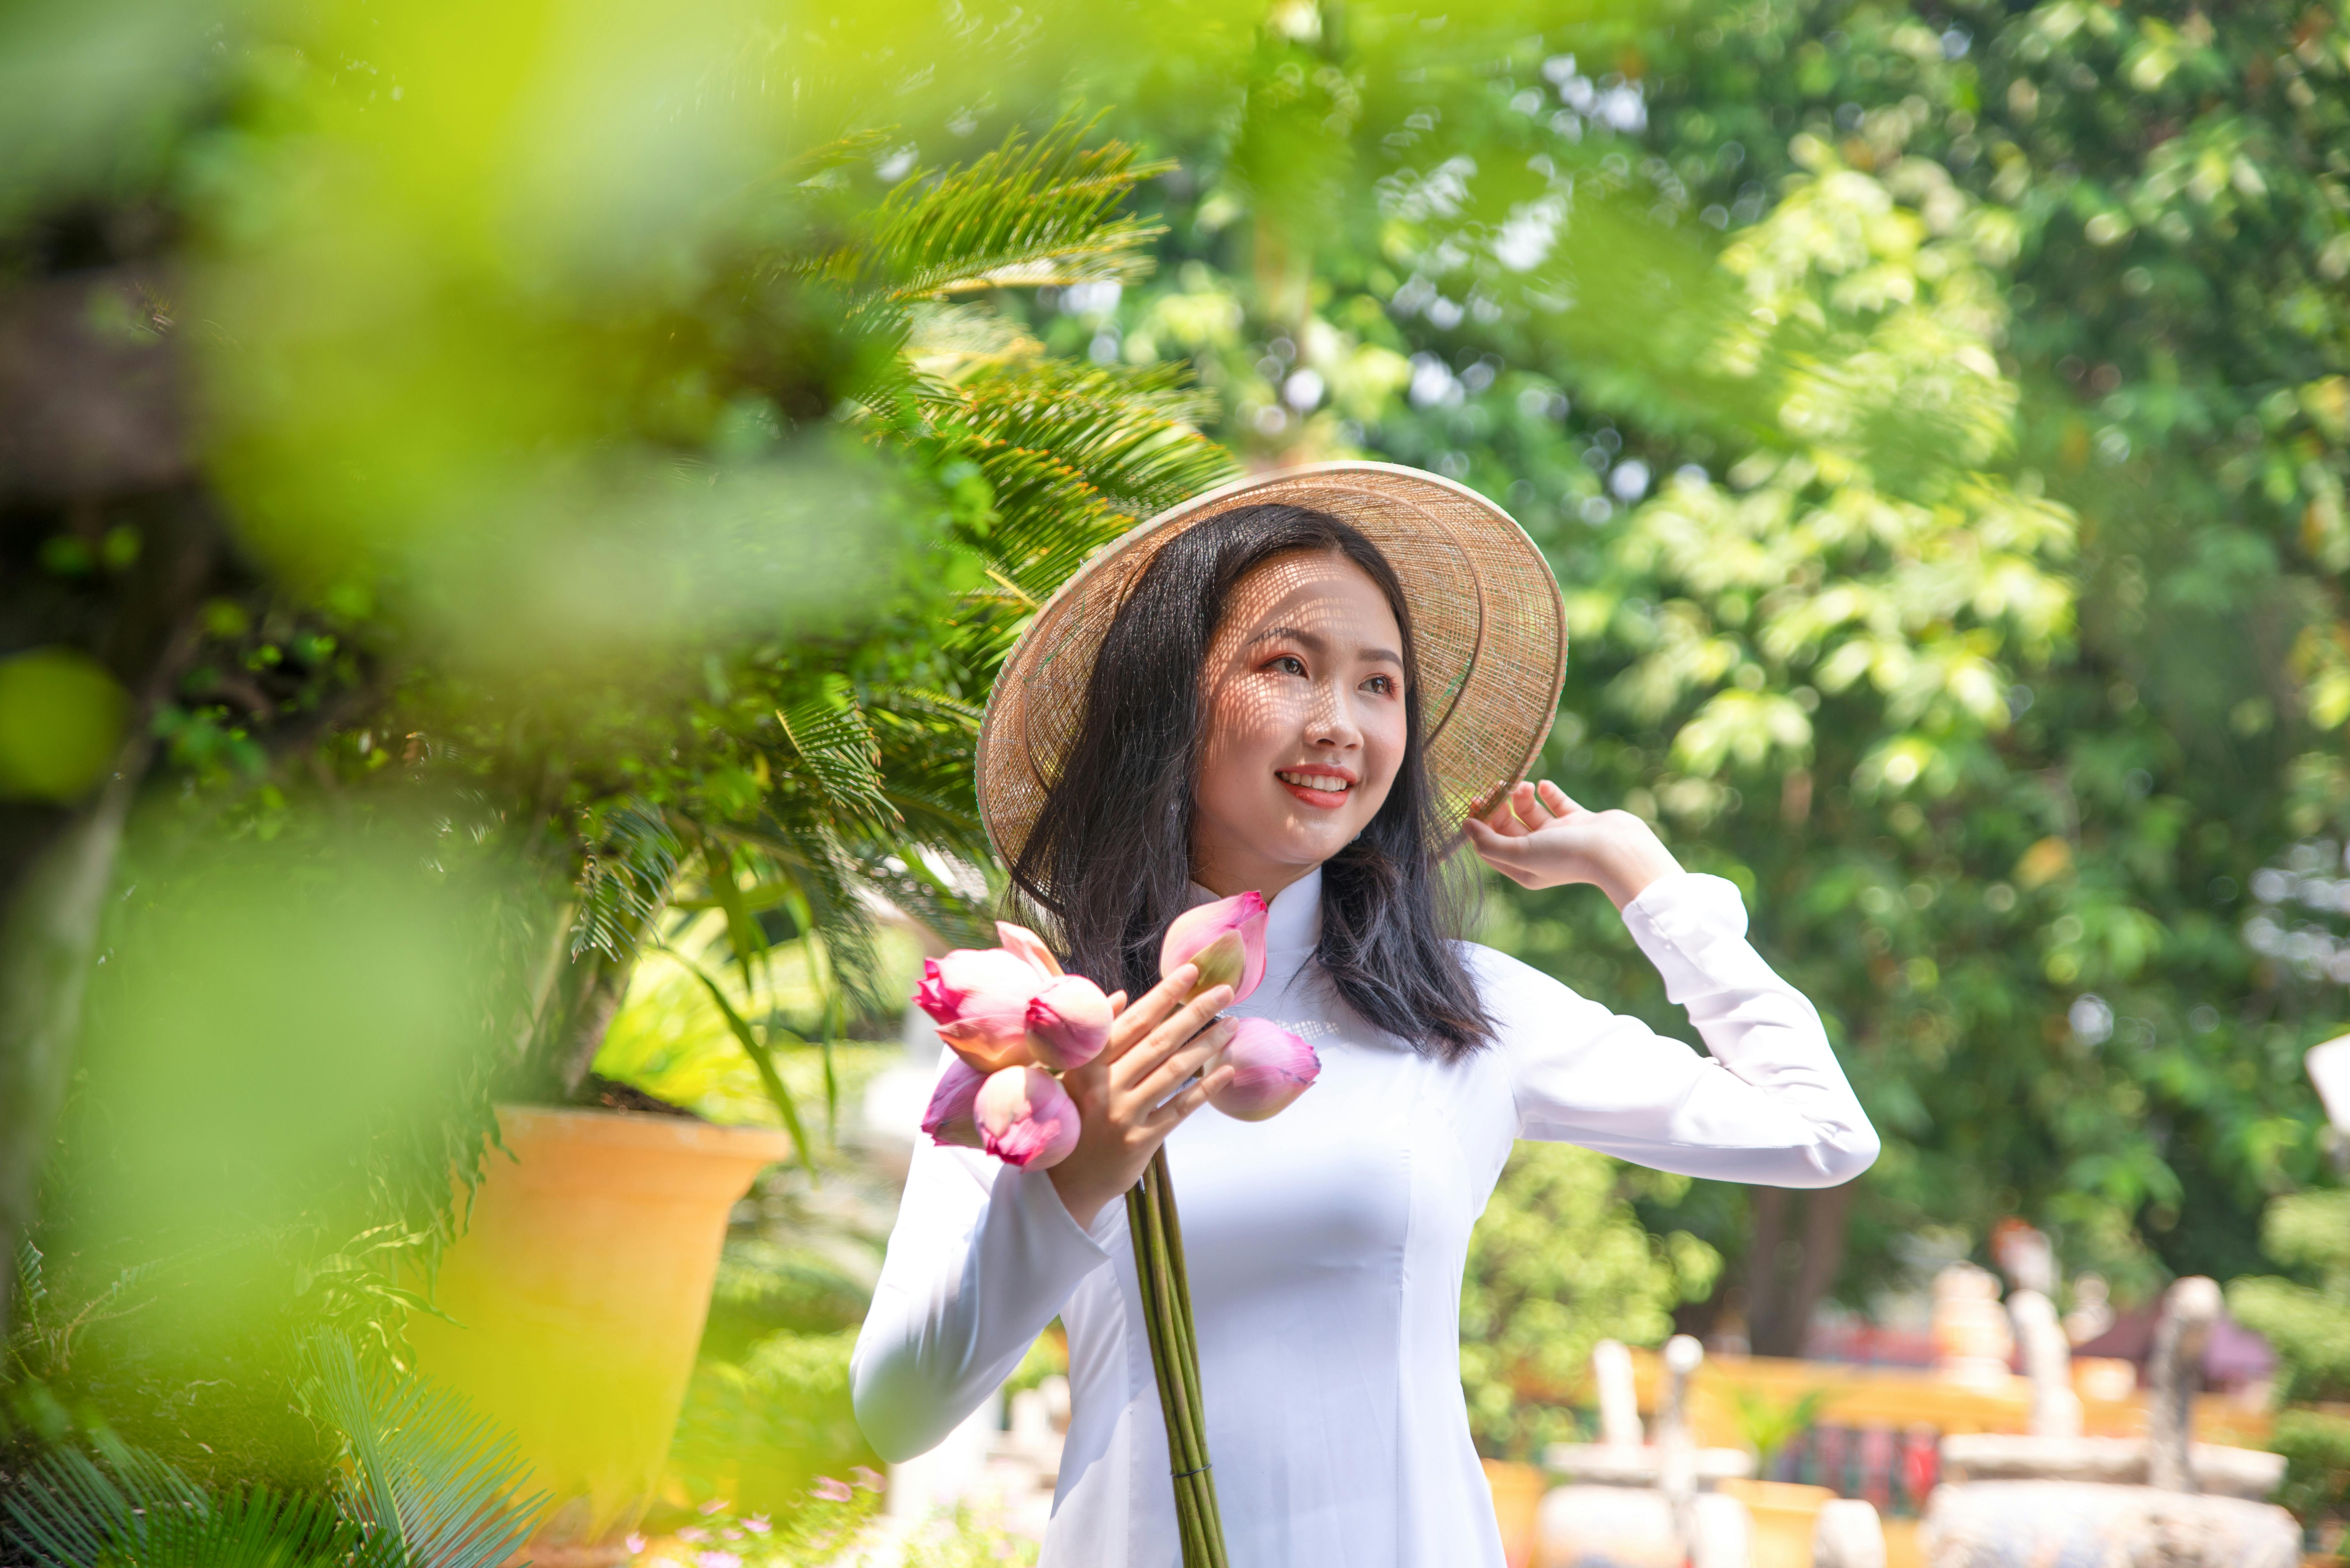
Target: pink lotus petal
831,1490
872,1480
991,1042
947,1119
930,995
1028,944
977,980
1026,1118
1271,1068
1198,935
1068,1022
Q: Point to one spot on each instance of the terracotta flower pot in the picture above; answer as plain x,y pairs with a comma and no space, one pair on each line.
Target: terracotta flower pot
578,1292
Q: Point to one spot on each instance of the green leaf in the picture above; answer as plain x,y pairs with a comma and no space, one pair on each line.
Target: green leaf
428,1471
1026,215
743,932
762,1059
834,744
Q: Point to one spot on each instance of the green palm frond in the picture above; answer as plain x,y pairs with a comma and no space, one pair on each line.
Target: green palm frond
1028,214
1048,519
626,882
948,342
427,1472
1134,434
926,743
65,1510
911,878
834,744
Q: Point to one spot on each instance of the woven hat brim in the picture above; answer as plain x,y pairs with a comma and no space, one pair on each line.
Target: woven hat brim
1488,625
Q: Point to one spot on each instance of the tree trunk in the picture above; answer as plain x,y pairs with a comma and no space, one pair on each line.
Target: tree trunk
592,990
1784,1292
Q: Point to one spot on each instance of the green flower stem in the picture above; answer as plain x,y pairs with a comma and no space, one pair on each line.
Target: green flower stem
1147,1268
1157,1237
1189,1343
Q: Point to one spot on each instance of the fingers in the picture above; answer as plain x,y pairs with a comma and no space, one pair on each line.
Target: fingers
1530,807
1493,847
1557,799
1163,1120
1142,1059
1185,1060
1501,819
1116,1003
1133,1020
1190,1056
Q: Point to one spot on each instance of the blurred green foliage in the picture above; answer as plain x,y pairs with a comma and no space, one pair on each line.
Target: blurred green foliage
2306,1318
420,1480
2316,1447
61,718
1767,1426
758,1431
1558,1263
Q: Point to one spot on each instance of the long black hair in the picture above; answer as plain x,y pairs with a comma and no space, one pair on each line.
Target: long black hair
1110,858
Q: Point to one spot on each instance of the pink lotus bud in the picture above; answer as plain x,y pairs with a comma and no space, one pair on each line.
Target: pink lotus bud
949,1119
977,980
1271,1068
1026,1118
1225,939
1028,945
1068,1022
991,1042
979,997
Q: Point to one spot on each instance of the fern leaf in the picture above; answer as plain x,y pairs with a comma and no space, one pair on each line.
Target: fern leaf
833,745
426,1469
1026,215
65,1510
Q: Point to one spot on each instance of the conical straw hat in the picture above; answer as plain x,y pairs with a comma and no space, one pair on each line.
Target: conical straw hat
1488,624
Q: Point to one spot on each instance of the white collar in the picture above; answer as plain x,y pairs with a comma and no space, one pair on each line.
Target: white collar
1292,922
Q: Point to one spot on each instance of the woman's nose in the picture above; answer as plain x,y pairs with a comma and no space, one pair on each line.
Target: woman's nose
1332,721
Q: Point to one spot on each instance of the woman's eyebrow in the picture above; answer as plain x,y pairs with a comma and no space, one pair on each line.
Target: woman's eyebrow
1318,643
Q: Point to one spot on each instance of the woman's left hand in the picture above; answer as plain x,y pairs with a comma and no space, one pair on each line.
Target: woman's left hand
1537,837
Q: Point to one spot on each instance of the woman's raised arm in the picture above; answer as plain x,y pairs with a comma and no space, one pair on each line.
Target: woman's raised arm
1770,1105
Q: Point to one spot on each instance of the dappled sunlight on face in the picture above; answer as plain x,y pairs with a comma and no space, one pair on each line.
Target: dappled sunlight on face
1303,688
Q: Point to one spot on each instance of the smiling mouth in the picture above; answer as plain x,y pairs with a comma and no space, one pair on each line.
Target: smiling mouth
1315,787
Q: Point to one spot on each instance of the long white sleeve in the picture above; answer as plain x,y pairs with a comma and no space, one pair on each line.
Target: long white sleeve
1770,1106
982,1258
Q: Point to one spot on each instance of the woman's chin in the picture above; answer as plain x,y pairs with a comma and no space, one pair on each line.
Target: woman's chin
1316,838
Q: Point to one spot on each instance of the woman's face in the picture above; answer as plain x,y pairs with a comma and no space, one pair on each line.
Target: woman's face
1305,703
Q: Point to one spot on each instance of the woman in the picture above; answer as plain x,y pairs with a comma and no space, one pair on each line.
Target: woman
1295,685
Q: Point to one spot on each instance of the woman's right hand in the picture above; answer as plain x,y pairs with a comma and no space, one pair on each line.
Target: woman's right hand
1123,1096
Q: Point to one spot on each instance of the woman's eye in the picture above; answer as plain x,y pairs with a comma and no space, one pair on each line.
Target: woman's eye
1288,664
1383,684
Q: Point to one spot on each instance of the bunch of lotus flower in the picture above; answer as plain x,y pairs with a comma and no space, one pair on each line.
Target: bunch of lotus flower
1014,1020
